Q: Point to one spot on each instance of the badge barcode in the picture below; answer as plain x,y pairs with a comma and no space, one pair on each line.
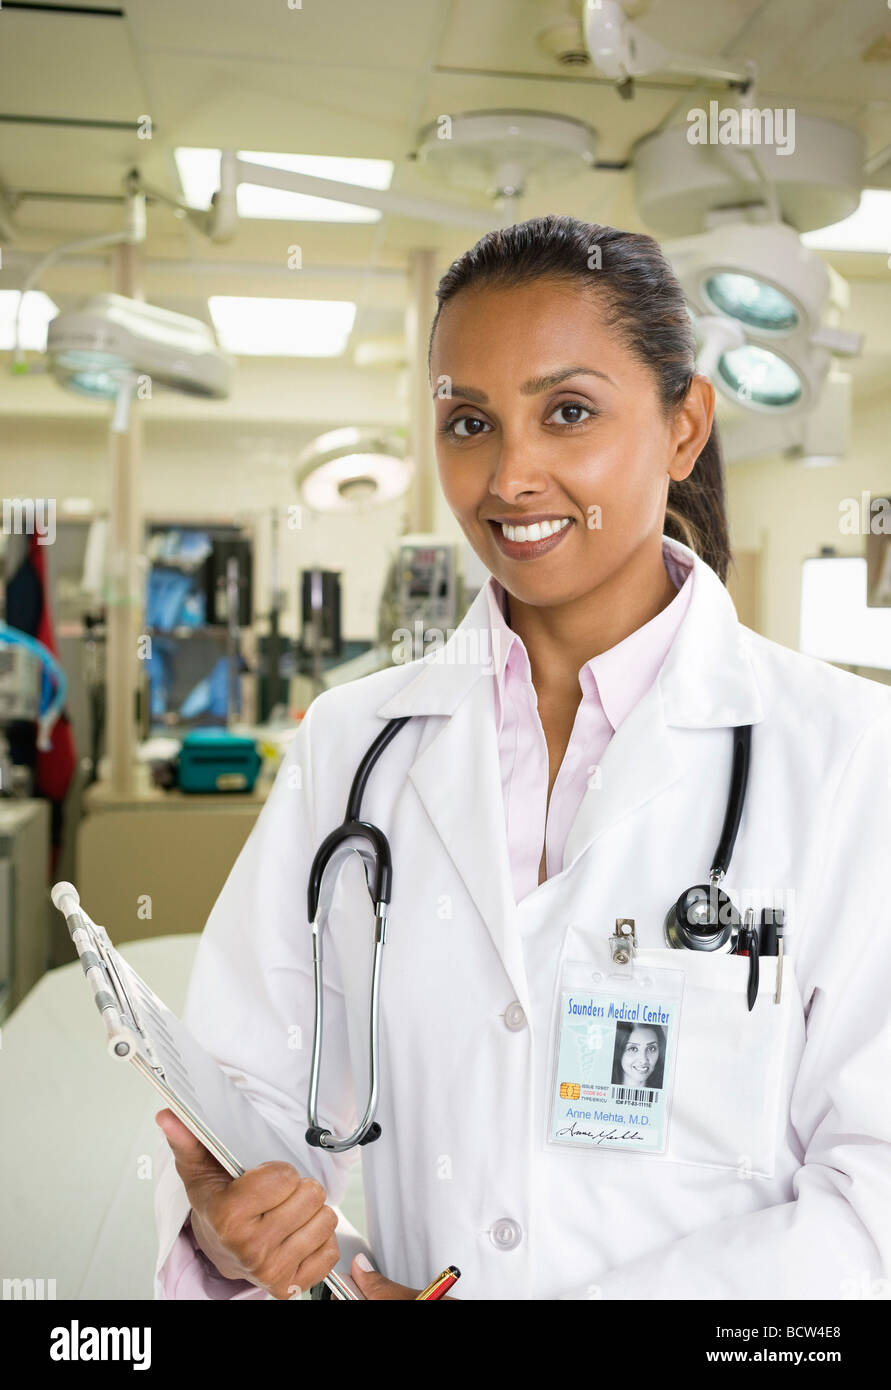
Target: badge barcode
630,1095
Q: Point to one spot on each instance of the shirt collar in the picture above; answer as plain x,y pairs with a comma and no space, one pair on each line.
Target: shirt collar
620,675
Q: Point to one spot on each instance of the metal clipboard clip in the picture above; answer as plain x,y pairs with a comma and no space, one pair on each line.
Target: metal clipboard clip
110,994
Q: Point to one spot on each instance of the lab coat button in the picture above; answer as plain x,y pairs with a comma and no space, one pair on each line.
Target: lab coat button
506,1234
515,1017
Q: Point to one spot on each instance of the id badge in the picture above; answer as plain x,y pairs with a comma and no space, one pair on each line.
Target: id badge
615,1038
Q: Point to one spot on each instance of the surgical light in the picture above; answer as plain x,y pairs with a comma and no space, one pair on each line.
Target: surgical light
757,281
94,374
94,383
95,348
758,375
753,302
348,470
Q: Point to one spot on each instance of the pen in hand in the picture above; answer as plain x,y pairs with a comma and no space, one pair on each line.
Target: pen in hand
373,1285
440,1285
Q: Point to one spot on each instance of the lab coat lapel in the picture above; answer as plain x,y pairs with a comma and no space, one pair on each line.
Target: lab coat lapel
458,777
706,681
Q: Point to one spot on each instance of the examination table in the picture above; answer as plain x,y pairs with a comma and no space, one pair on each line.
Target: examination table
76,1165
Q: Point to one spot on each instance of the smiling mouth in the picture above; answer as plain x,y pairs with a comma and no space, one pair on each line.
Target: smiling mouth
529,549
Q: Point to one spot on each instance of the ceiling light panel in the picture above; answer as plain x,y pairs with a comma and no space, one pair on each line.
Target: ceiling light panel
37,312
199,172
251,327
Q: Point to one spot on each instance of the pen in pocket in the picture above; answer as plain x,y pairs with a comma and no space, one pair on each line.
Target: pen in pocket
747,945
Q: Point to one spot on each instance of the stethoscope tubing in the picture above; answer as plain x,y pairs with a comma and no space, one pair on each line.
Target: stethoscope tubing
380,892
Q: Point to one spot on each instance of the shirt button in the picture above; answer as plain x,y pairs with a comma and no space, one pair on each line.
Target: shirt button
515,1017
506,1234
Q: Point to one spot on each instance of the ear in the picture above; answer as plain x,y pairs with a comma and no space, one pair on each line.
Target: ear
693,424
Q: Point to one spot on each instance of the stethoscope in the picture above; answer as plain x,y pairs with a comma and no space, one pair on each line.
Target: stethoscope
380,862
702,919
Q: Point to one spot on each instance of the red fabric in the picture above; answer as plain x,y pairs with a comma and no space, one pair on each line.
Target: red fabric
55,768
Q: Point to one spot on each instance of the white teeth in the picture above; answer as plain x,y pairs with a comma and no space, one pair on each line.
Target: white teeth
538,531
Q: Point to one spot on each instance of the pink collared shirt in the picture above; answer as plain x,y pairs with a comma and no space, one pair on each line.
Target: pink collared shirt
612,683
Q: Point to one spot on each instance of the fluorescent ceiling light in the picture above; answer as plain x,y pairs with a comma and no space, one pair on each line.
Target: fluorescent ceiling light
867,229
37,312
282,327
199,172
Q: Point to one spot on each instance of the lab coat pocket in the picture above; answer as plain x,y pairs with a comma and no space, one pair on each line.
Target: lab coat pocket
728,1095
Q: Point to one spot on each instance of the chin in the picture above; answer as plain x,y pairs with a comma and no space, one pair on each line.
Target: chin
545,592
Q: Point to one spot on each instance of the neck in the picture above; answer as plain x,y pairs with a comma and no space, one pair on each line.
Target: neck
561,638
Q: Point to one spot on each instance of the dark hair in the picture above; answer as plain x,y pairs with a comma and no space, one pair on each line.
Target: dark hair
642,298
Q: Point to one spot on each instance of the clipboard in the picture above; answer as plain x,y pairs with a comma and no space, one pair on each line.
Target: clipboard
140,1029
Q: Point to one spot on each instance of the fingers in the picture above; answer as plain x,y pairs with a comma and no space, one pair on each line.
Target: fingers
299,1200
199,1171
301,1258
294,1245
304,1257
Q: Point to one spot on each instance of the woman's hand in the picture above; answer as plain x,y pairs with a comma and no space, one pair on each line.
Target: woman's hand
270,1226
374,1285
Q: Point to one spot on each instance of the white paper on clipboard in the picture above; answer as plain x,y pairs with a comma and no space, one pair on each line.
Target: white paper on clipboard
141,1028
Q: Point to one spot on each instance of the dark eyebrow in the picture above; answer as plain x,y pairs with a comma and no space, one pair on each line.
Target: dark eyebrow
533,387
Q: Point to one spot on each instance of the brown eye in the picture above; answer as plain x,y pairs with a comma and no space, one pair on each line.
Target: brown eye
451,426
573,407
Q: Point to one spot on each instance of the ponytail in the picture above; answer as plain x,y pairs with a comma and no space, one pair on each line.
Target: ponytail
695,513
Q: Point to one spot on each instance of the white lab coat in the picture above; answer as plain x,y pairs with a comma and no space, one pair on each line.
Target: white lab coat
777,1179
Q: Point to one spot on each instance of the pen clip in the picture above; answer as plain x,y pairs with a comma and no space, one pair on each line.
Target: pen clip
747,945
780,934
754,972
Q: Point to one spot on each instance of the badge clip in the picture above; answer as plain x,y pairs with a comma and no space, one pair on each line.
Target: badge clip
623,942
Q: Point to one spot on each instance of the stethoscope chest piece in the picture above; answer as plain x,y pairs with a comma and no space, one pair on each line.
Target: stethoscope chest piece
702,919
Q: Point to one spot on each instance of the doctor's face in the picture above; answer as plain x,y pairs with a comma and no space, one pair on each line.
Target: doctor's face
550,416
640,1056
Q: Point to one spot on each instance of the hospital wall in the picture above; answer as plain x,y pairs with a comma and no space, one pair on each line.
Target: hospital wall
788,512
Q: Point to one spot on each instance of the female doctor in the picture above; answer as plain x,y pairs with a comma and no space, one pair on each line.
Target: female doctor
565,763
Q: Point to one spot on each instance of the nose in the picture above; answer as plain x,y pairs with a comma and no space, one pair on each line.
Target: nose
516,471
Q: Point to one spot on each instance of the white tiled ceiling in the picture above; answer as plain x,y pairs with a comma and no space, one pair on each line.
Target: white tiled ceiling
357,78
